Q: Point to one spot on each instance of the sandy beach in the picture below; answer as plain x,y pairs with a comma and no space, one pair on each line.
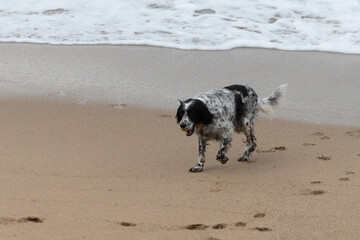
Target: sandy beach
119,170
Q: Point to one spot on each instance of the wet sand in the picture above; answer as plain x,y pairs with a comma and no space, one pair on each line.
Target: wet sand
323,87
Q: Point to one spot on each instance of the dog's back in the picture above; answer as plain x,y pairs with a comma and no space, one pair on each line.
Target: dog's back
220,103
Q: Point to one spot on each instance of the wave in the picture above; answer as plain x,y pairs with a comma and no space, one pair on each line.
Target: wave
331,25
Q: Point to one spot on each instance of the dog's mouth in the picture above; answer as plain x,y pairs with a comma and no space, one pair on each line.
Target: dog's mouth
189,131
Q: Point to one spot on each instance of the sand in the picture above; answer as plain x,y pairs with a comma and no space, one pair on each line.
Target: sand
110,171
98,172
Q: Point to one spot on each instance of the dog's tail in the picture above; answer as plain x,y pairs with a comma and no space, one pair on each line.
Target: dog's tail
265,104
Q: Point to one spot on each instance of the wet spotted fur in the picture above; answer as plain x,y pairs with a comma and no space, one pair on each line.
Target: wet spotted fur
215,115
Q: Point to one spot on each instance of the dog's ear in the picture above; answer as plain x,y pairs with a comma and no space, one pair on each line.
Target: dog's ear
180,111
202,114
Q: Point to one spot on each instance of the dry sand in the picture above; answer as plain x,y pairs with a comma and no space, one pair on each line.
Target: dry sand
97,172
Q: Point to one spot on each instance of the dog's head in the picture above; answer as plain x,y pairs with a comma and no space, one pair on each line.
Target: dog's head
191,113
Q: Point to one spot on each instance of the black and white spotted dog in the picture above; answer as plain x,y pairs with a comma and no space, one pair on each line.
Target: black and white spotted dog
215,115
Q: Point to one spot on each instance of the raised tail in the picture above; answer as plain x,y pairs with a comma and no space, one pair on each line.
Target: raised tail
265,104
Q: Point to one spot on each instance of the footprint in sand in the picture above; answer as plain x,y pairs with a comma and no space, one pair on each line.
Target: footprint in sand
308,144
20,220
271,150
263,229
216,226
349,172
355,133
309,192
320,135
240,224
220,226
31,219
324,157
196,227
344,179
259,215
316,182
127,224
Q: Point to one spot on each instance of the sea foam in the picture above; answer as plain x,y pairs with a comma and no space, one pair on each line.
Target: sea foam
331,25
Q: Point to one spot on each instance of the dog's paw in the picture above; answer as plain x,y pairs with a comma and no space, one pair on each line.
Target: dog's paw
196,168
223,161
243,159
222,158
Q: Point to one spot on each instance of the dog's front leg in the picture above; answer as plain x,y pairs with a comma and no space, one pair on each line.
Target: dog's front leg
200,164
224,146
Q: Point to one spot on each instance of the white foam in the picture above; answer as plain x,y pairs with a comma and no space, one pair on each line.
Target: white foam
330,25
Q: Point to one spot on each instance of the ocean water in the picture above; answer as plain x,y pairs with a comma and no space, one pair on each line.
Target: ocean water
322,25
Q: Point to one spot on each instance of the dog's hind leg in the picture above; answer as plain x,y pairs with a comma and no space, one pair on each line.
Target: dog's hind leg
250,143
224,146
200,164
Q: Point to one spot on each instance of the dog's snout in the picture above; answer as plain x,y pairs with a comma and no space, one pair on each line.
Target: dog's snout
182,125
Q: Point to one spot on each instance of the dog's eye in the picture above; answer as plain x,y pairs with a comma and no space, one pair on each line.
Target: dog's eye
189,112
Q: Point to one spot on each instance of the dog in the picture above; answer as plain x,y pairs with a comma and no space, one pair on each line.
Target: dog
216,114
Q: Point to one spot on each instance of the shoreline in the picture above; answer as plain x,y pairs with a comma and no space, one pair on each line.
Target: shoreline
180,49
49,99
322,86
